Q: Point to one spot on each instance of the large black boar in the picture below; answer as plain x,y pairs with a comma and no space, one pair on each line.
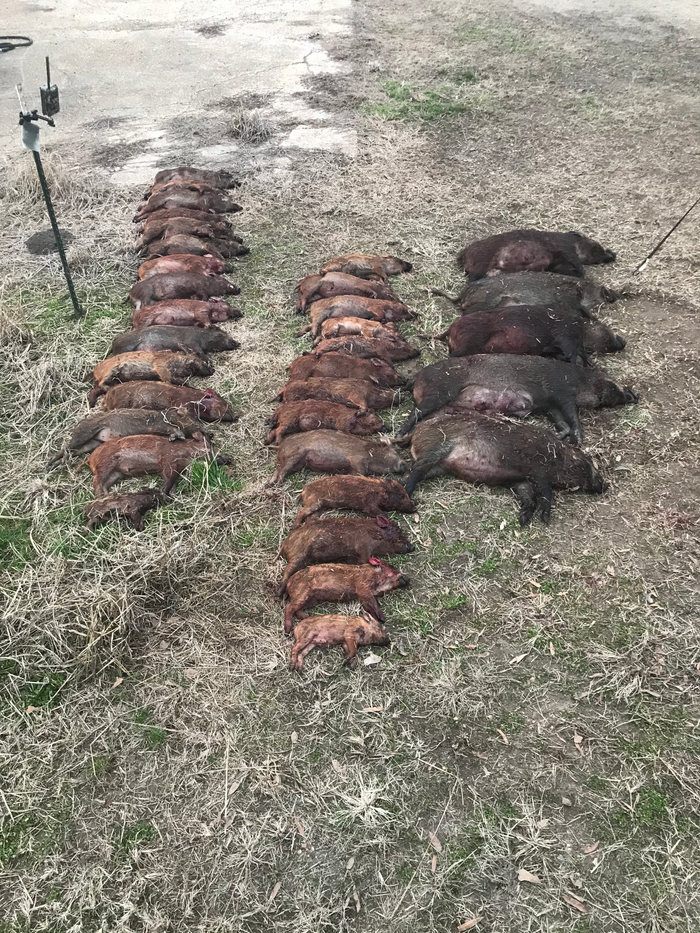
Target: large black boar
515,385
482,449
533,251
201,340
532,288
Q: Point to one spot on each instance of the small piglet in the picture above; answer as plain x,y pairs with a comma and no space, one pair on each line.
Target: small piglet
333,452
312,415
122,422
532,288
184,312
200,265
204,404
132,506
357,326
534,251
180,285
371,309
143,454
352,392
348,632
327,540
344,366
482,449
200,340
361,493
335,583
315,287
145,365
391,351
366,266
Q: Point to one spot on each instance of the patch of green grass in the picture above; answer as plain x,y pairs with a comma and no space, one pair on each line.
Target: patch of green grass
43,690
488,566
426,104
135,835
449,601
509,39
16,547
511,722
154,736
206,476
13,835
459,75
652,807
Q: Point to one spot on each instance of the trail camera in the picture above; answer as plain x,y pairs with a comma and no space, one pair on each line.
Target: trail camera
49,95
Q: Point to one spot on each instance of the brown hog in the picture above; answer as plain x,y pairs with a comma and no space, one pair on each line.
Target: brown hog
355,306
533,330
352,392
315,287
482,449
132,506
143,454
347,632
199,265
176,213
220,179
333,452
532,288
344,366
191,198
184,312
201,340
180,285
391,351
357,326
312,415
532,251
204,404
360,493
336,583
185,244
328,540
366,266
145,365
122,422
214,228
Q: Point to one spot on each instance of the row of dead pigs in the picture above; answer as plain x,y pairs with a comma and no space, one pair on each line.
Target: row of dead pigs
150,420
522,346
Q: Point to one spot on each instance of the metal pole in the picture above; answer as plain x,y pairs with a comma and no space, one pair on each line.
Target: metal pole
77,310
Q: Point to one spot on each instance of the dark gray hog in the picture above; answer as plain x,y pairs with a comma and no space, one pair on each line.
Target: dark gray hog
201,340
532,288
103,426
180,285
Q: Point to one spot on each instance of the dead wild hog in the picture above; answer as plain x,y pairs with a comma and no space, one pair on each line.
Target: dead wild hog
352,392
186,244
315,287
184,312
145,365
482,449
142,454
328,540
532,288
357,326
204,404
220,179
191,198
391,351
123,422
199,340
313,415
333,452
179,285
175,213
599,338
199,265
161,227
516,386
345,366
360,493
132,506
366,266
348,632
335,583
533,251
533,330
355,306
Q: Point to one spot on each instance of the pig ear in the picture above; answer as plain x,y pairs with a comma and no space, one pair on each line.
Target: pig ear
208,394
374,562
383,522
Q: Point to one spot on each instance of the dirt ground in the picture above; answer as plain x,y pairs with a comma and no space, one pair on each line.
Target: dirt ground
525,753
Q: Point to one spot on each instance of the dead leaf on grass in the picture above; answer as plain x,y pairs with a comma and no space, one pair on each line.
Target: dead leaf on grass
575,903
373,709
275,892
338,768
591,848
469,924
32,709
119,680
433,864
503,736
518,658
372,659
524,875
435,842
299,826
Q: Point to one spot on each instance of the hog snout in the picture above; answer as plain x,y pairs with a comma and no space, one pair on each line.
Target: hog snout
631,397
404,582
609,256
619,343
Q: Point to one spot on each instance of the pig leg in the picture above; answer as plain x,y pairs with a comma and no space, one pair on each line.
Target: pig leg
545,503
369,603
274,437
170,473
299,652
307,512
102,484
566,421
525,494
284,468
350,647
298,563
430,464
294,608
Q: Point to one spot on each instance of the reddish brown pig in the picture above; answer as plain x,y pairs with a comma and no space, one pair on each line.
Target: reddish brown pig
166,227
145,365
184,312
357,326
143,454
355,306
312,415
533,251
482,449
328,540
344,366
180,285
132,506
191,198
204,404
336,583
201,340
348,632
101,427
333,452
175,213
391,351
315,287
185,244
533,330
353,392
217,179
360,493
366,266
200,265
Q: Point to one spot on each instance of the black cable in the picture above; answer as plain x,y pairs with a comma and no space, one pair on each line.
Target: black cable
8,43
